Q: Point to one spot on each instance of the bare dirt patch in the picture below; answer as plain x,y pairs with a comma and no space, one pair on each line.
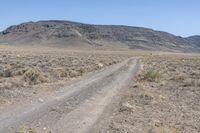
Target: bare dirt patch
163,99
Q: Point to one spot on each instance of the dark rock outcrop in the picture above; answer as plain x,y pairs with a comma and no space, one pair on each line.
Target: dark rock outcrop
72,34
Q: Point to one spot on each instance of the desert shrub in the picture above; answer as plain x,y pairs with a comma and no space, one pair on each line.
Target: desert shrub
8,84
59,73
152,75
7,73
74,73
144,98
19,72
145,95
34,76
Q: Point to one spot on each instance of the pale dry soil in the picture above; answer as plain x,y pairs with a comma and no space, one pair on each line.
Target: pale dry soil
24,73
164,102
70,90
71,104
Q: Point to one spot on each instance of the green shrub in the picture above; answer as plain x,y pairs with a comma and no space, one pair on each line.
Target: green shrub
152,76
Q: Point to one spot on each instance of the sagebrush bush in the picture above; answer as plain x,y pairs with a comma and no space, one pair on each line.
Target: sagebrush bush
59,72
34,76
74,73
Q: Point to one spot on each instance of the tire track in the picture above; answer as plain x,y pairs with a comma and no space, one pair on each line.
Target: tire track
68,103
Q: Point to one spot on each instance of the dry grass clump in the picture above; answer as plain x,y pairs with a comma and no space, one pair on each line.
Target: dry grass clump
145,95
74,73
34,76
143,98
59,73
9,84
152,76
5,71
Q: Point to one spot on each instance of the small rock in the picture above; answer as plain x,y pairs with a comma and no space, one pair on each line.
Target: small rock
100,64
127,107
41,100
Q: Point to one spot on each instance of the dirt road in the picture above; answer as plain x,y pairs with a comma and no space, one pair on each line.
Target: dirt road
74,108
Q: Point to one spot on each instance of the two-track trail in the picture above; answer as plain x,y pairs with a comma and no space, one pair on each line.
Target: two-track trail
73,108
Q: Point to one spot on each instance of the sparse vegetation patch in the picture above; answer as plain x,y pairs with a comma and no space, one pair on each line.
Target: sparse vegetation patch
168,106
21,71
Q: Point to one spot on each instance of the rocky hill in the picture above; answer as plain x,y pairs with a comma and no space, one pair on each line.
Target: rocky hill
78,35
195,40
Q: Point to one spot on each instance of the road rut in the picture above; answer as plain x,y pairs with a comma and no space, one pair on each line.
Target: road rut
73,108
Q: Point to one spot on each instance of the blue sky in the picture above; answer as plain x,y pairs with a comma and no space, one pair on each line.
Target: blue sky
180,17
